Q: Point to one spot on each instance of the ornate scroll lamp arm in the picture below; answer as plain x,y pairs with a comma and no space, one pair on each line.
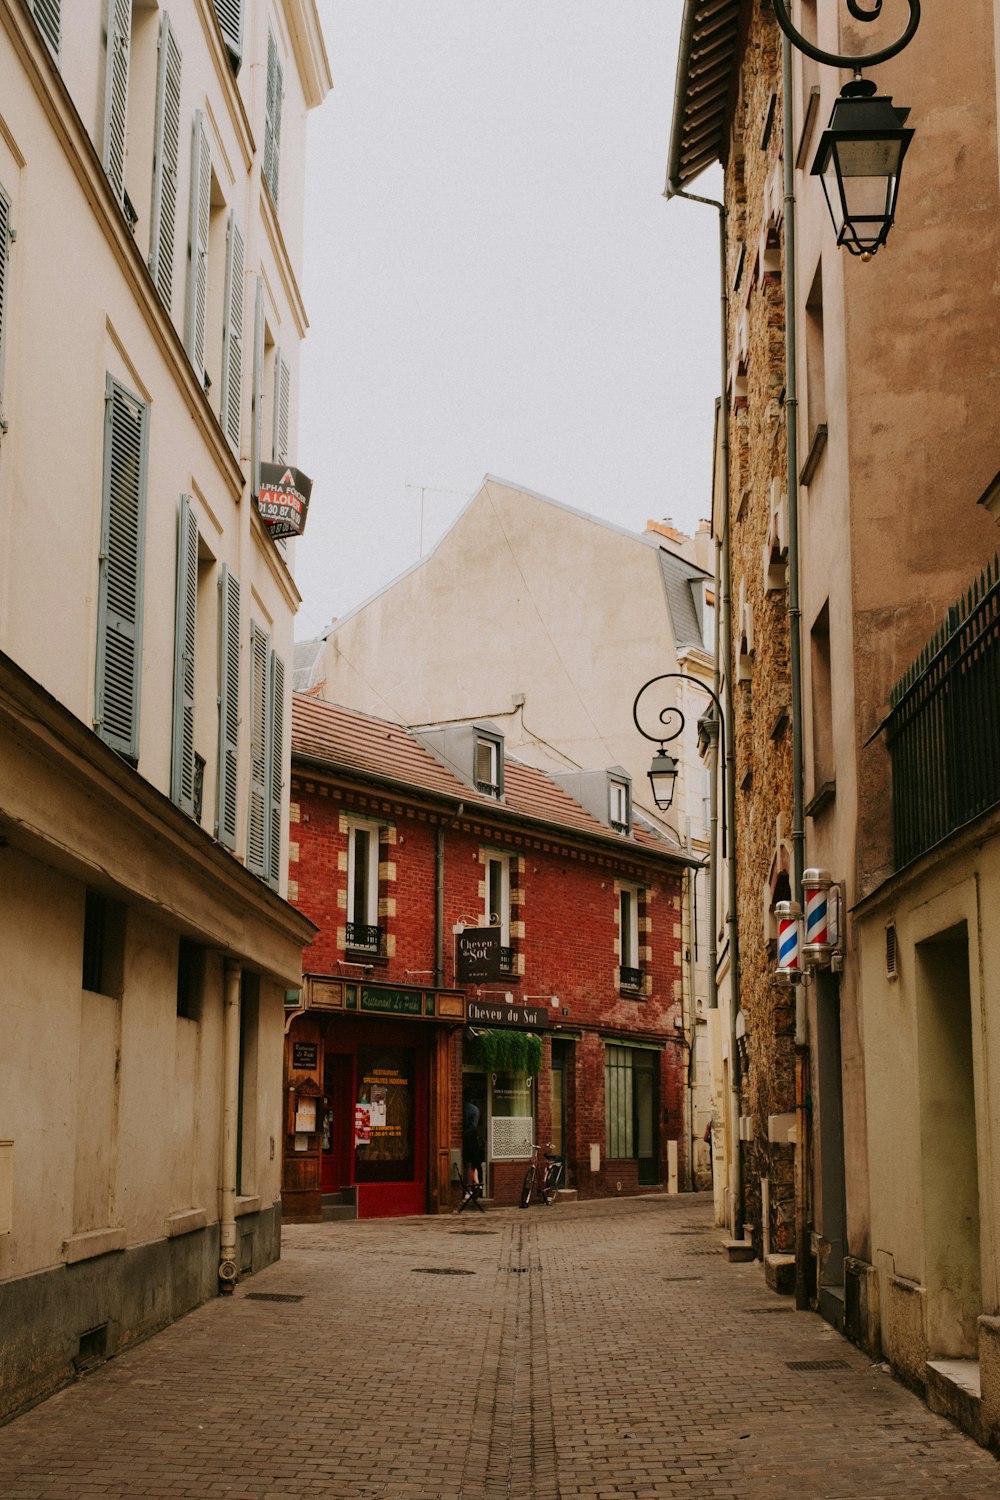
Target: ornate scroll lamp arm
860,10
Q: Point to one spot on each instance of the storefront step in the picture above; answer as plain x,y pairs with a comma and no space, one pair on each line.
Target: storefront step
342,1205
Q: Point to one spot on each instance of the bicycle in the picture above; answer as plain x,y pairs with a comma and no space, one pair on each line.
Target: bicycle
550,1179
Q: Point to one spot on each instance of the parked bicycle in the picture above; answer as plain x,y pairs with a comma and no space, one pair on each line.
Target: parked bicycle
542,1177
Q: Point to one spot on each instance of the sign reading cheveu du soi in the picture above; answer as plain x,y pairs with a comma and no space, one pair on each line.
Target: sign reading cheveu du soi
395,1002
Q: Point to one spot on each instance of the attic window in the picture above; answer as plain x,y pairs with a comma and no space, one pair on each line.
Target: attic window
489,765
619,811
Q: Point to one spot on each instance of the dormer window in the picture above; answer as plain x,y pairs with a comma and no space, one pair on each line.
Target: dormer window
620,809
489,765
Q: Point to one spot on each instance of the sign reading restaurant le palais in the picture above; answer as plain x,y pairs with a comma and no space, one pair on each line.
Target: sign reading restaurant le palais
501,1013
283,500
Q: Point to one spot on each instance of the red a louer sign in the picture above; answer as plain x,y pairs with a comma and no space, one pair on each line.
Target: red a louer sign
283,500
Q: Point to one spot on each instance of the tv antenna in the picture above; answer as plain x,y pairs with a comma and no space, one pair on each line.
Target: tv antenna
429,489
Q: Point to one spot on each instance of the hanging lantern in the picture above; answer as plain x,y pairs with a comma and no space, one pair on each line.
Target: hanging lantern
859,161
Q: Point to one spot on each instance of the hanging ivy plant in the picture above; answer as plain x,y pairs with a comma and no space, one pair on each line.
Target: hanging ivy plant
507,1052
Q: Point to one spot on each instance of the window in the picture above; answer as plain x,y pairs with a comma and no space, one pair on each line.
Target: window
257,395
190,976
618,1103
116,95
282,399
267,710
46,14
363,931
272,117
231,400
822,701
631,1107
620,811
498,896
166,150
229,14
119,600
103,945
229,705
198,231
182,768
489,765
6,235
630,972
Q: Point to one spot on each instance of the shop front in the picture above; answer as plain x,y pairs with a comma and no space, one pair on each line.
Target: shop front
505,1082
368,1131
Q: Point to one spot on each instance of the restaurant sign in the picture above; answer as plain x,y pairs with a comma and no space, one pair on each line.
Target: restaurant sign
283,500
501,1013
477,954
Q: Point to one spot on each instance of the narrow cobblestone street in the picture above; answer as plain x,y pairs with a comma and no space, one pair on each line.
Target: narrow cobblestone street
593,1349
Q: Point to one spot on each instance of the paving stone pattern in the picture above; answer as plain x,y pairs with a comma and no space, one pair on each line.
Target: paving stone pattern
596,1350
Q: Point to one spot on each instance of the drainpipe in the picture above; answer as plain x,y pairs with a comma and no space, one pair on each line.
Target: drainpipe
439,896
228,1265
795,669
724,629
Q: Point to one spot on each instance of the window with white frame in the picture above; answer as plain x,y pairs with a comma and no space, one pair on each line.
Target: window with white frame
489,765
628,931
619,811
498,896
363,930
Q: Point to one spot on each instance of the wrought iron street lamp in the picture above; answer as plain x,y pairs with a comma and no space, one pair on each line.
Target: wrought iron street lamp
663,770
861,152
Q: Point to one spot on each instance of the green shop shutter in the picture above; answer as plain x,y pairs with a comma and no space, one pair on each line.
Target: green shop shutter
46,13
229,14
119,596
229,705
166,151
257,397
257,831
275,748
232,336
116,94
272,117
185,636
282,401
201,183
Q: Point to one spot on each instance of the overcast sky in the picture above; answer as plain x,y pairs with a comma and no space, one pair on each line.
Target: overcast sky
494,280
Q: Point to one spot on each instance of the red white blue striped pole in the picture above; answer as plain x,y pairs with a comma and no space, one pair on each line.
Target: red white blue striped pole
789,916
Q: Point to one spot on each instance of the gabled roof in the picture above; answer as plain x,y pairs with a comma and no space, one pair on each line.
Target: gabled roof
340,739
710,34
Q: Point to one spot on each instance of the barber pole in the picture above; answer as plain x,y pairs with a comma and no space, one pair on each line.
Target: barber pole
789,915
820,939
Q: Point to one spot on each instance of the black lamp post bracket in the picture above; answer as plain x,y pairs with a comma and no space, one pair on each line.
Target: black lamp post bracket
861,10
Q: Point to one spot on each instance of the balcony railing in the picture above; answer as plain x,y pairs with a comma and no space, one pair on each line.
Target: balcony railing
364,939
630,979
508,961
944,725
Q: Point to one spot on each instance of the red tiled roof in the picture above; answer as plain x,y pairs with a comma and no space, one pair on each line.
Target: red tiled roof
344,740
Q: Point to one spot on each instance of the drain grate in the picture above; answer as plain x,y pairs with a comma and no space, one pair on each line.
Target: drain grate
522,1270
676,1232
471,1232
273,1297
441,1271
770,1309
715,1252
818,1364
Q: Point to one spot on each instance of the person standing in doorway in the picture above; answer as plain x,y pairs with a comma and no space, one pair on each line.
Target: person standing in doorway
471,1148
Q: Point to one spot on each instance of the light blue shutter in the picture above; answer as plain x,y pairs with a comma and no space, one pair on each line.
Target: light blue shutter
282,396
185,636
46,13
229,704
230,18
119,596
272,117
166,148
257,831
232,336
201,182
257,398
276,747
116,95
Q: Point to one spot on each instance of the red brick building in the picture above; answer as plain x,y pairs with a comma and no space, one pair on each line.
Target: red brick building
401,843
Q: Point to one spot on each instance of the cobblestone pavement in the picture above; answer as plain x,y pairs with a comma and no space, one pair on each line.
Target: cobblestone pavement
591,1350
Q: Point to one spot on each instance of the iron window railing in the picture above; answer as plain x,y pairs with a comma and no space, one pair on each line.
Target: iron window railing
630,979
508,961
363,938
943,725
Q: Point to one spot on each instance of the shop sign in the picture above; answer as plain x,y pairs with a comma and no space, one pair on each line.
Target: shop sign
499,1013
305,1056
392,1002
477,954
283,500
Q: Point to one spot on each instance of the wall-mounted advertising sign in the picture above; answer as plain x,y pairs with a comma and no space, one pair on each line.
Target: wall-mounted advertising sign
477,954
283,501
500,1013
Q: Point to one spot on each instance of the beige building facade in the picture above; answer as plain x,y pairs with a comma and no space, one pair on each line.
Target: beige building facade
893,443
151,200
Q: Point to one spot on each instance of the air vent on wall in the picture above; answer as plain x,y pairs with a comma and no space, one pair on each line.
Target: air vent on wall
891,970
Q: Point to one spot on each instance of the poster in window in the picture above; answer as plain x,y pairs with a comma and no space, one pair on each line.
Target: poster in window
386,1094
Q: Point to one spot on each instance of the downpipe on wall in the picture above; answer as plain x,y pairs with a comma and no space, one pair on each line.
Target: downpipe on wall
229,1271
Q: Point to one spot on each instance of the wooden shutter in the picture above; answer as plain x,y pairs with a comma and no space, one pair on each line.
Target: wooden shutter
201,182
258,828
116,94
46,13
166,149
282,395
185,636
276,747
232,336
230,17
229,705
119,600
5,232
257,399
272,117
